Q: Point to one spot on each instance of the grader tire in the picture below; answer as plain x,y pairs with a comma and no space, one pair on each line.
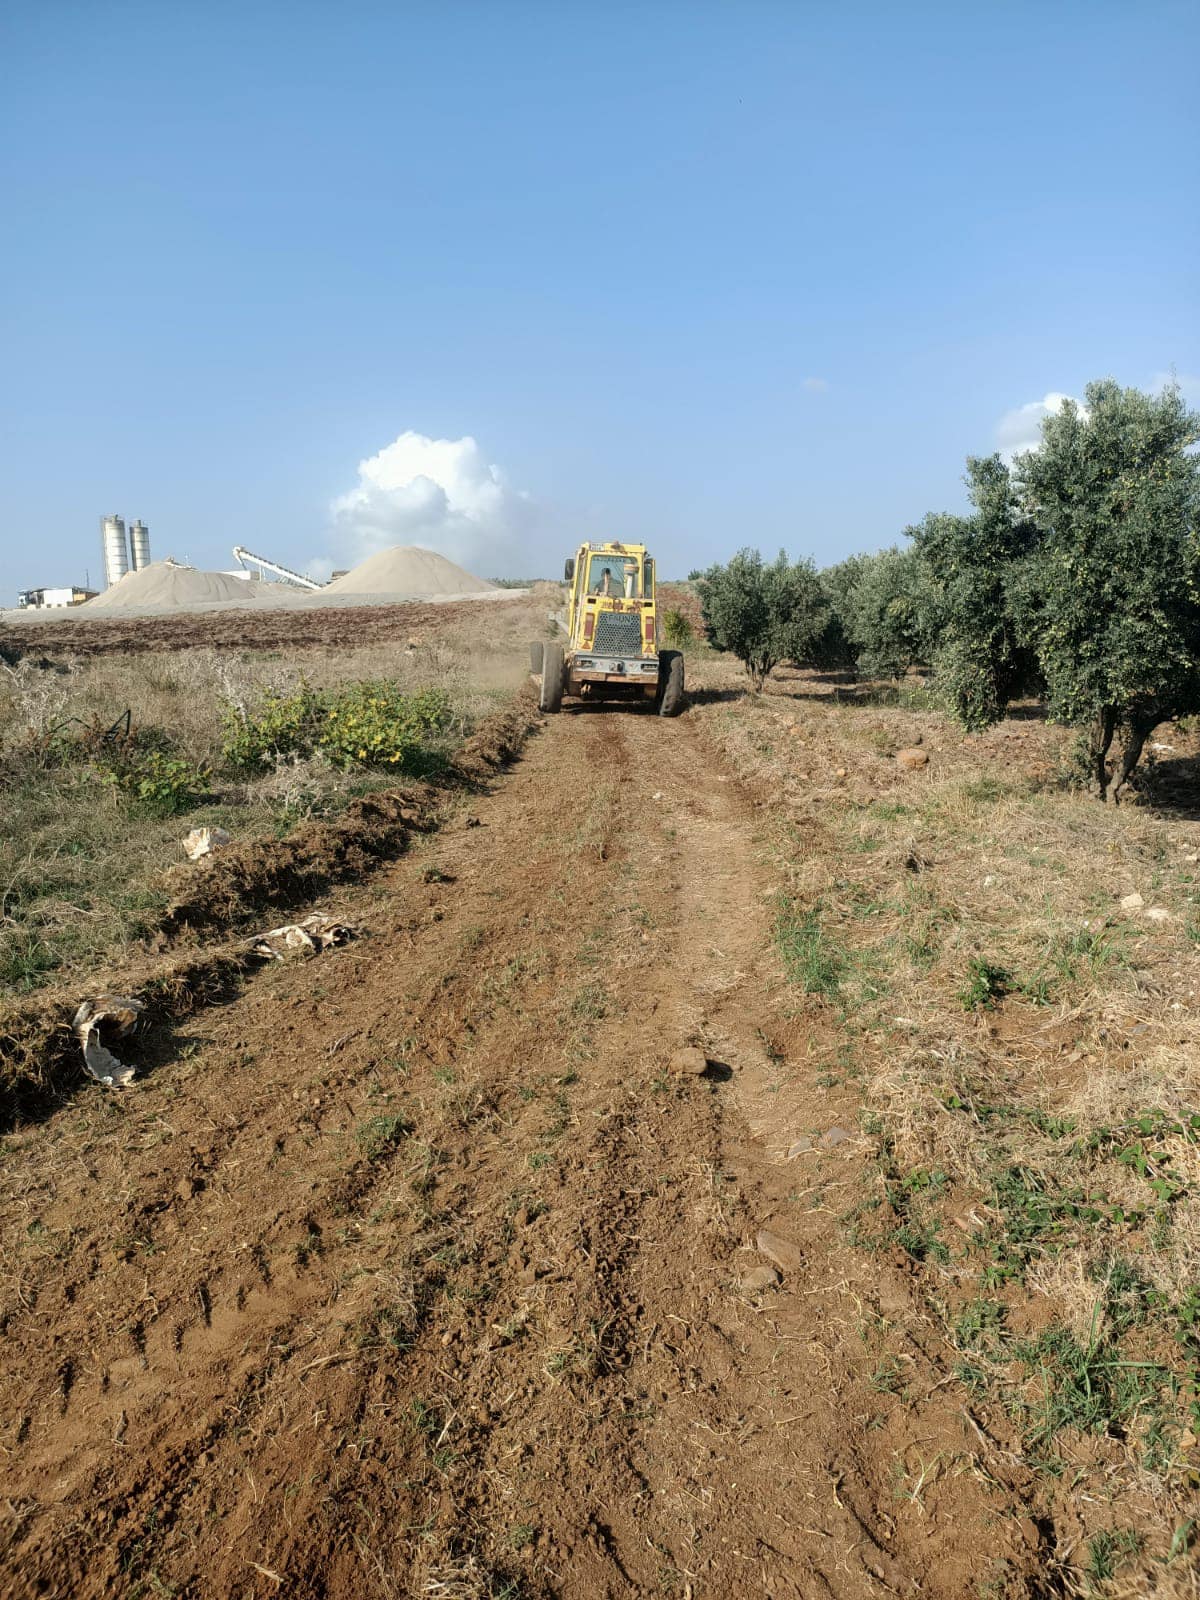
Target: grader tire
670,683
535,658
553,673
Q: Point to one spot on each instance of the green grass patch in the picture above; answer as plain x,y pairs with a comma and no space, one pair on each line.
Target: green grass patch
811,957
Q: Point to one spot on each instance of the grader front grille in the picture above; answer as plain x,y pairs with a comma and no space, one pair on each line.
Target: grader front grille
618,633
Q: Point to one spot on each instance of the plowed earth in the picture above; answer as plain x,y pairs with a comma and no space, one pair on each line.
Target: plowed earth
416,1269
264,629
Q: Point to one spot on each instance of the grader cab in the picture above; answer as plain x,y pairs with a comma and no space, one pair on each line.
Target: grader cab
611,647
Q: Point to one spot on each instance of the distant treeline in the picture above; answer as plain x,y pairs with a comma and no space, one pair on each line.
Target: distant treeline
1075,577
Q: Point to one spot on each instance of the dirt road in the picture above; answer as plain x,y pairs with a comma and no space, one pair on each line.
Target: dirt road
417,1270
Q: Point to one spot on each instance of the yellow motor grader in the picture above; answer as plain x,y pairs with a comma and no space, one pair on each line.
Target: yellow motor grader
611,649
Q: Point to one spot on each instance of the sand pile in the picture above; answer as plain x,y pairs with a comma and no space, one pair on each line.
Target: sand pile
409,571
167,586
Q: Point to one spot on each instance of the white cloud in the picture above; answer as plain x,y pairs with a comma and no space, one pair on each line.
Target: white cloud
439,493
1021,429
815,385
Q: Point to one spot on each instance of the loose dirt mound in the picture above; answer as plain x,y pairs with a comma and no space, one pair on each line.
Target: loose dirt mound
166,586
410,571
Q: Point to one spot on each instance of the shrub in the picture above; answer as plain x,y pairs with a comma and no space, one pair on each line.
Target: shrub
374,724
371,724
279,725
678,630
162,783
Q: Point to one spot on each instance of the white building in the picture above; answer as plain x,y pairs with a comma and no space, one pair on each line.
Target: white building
48,599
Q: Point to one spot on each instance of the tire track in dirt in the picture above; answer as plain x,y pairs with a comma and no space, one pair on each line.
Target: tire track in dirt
418,1268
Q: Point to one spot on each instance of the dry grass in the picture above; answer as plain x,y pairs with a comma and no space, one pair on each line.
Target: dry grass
81,869
1028,1049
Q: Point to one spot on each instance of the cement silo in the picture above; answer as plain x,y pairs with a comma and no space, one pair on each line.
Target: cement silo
139,539
116,551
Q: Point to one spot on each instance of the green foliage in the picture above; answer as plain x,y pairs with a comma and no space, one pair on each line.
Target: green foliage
1111,598
764,614
980,660
375,724
677,630
278,726
986,983
161,783
1076,573
367,724
886,612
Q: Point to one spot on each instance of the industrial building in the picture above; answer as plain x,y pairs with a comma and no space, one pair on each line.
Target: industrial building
49,599
123,555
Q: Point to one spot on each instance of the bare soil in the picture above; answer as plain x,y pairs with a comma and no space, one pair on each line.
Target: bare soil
418,1269
250,629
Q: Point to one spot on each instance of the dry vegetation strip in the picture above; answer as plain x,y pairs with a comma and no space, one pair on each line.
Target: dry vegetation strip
1026,1049
88,828
40,1057
93,888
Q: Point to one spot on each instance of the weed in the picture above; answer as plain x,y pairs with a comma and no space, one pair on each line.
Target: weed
25,960
1090,1387
380,1135
986,790
1107,1550
1036,1215
986,984
977,1323
886,1377
160,784
921,1242
593,1002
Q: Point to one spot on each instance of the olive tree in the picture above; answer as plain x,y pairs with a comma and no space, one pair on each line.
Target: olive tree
980,660
835,649
890,613
764,614
1110,597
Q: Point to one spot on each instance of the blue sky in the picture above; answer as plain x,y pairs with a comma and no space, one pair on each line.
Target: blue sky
702,275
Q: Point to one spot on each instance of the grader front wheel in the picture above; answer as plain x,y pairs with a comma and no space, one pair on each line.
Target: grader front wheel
553,673
670,683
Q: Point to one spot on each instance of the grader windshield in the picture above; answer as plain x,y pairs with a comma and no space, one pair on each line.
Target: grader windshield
618,577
